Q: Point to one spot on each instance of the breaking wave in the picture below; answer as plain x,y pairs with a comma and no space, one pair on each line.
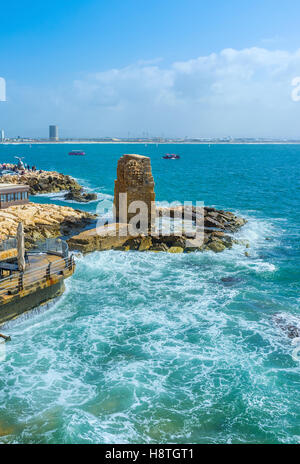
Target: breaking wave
162,348
156,348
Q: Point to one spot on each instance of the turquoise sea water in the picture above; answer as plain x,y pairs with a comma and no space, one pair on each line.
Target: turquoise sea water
157,348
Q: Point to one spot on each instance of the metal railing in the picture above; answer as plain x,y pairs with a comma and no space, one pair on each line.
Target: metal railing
53,246
20,280
8,243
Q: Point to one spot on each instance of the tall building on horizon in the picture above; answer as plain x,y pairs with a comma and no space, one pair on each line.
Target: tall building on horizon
2,135
53,133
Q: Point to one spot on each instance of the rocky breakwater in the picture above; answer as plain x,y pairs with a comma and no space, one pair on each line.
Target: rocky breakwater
42,221
41,182
215,228
214,232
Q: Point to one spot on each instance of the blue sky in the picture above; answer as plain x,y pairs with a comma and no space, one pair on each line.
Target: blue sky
112,67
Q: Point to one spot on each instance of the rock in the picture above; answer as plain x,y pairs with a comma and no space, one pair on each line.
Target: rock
113,236
186,212
107,237
89,241
159,247
133,243
80,196
226,219
220,236
195,244
211,218
244,243
217,234
210,222
122,248
175,249
288,323
140,243
292,331
217,246
146,243
236,224
227,241
209,209
171,240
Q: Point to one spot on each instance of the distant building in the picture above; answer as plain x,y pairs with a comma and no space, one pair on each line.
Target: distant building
53,133
2,135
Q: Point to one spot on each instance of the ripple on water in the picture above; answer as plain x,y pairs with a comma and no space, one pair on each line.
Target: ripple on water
155,348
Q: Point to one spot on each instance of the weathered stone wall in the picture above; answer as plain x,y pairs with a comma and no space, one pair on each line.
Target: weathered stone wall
134,177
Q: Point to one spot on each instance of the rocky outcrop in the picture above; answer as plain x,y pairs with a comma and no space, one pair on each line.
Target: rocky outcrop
50,182
117,236
210,218
42,221
112,236
43,181
135,181
80,196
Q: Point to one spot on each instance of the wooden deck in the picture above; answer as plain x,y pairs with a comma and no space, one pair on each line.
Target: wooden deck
42,281
39,268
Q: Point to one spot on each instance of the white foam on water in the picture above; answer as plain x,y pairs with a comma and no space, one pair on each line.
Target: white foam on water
60,197
87,188
151,347
32,313
262,237
52,195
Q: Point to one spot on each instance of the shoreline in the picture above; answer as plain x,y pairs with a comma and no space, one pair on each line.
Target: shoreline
47,182
82,142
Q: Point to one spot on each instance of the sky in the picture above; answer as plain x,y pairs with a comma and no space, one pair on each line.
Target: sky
194,68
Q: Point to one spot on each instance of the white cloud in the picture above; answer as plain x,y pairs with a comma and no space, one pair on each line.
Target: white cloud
233,92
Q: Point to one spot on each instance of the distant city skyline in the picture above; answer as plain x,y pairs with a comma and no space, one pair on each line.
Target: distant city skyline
167,69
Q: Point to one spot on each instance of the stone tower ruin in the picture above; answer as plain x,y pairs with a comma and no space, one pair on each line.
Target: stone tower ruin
134,178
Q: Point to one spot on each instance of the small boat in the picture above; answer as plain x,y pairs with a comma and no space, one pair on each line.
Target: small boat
76,153
171,156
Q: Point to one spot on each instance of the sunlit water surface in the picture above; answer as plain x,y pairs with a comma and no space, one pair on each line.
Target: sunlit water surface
149,347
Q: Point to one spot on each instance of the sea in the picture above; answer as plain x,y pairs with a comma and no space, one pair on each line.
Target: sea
166,348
